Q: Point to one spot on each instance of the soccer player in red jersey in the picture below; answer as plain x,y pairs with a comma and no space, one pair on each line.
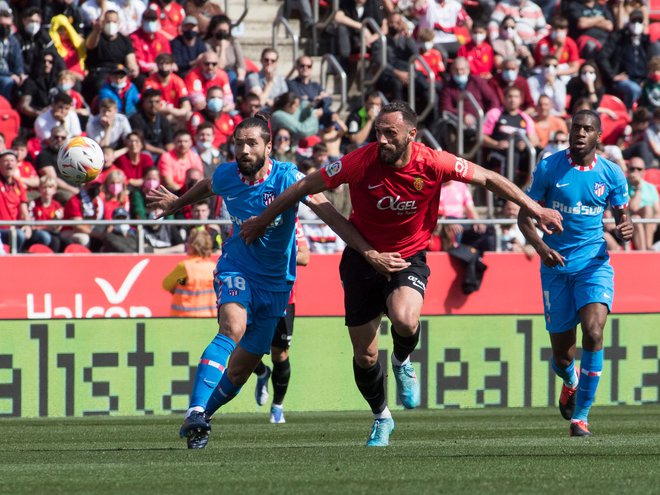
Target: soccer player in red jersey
395,189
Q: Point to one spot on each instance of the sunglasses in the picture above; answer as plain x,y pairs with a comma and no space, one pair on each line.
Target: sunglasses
635,169
305,66
281,138
550,65
269,60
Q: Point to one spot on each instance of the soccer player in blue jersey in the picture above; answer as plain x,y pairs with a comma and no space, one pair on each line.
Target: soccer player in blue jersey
576,276
252,282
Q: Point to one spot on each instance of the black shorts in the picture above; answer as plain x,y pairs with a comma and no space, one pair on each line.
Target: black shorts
366,290
284,329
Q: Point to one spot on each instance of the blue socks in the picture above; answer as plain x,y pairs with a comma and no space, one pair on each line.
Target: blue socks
590,369
568,374
211,367
223,393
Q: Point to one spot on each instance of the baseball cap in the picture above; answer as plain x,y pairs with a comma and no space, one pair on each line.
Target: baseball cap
636,15
8,151
120,69
120,213
190,19
152,8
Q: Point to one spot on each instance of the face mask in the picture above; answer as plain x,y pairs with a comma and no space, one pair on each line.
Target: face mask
32,28
550,71
190,34
205,145
508,33
588,77
115,188
119,85
111,28
562,146
152,215
65,87
428,45
509,75
123,229
150,184
479,38
215,105
5,31
559,36
164,73
636,28
151,27
460,79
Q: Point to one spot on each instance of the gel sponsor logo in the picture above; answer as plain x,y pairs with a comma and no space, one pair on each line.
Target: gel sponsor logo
578,209
395,204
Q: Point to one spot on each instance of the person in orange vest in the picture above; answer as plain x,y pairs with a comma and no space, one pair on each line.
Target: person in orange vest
191,281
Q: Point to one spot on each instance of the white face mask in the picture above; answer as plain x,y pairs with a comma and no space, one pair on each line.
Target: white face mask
65,86
479,38
111,28
32,28
636,28
124,228
508,33
509,75
205,145
550,71
428,45
588,77
151,27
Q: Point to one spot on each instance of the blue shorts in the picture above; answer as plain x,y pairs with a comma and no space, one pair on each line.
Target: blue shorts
264,308
564,294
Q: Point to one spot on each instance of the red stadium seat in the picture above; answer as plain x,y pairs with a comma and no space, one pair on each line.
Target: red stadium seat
654,31
76,248
40,249
613,128
250,66
10,121
654,10
652,175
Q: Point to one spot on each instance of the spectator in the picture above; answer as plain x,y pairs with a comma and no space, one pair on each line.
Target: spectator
155,128
206,75
499,126
230,54
621,11
203,12
300,119
331,137
284,149
208,152
66,80
307,89
137,197
67,9
512,239
108,163
562,46
114,193
191,281
250,104
70,45
149,42
202,211
120,238
36,92
174,164
449,20
623,59
529,20
12,69
46,207
588,85
558,142
509,45
129,13
548,84
360,122
175,93
304,9
478,52
188,47
106,48
35,41
650,98
25,171
266,83
46,163
109,127
547,124
161,238
214,114
644,203
120,89
509,77
346,28
643,141
171,15
135,161
13,200
60,113
432,56
590,24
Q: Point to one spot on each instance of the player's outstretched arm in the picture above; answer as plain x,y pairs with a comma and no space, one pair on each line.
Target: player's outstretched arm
254,227
549,256
170,203
384,263
549,220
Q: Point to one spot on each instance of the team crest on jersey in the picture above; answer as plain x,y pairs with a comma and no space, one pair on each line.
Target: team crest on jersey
333,168
418,183
268,197
599,188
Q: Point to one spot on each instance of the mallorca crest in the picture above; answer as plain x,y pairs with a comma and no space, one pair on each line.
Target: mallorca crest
418,183
268,197
599,188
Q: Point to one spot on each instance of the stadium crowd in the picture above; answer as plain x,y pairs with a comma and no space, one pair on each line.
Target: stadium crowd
161,86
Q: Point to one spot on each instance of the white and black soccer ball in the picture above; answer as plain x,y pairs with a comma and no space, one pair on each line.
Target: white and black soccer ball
80,160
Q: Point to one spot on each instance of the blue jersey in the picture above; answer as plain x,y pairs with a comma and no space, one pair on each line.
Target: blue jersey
271,259
581,195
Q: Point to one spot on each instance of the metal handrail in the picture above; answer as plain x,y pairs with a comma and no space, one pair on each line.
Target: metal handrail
330,60
367,23
321,25
425,136
412,73
460,126
243,14
280,20
510,155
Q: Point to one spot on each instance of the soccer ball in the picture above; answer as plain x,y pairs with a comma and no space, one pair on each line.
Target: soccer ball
80,160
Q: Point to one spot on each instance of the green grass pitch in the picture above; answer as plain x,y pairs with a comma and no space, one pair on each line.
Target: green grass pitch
431,451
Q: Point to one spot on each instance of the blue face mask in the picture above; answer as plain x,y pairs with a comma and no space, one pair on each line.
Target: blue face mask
120,85
460,79
215,105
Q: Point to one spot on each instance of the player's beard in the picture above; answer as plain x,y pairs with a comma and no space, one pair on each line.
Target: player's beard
249,169
389,154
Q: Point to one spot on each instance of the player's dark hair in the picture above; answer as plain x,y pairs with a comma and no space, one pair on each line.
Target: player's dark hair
591,113
261,121
408,114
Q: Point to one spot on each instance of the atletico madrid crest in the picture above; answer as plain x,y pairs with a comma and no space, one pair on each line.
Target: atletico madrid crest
418,183
268,197
599,189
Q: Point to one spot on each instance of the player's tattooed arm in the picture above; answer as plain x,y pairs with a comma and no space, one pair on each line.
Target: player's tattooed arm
549,256
624,226
170,203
